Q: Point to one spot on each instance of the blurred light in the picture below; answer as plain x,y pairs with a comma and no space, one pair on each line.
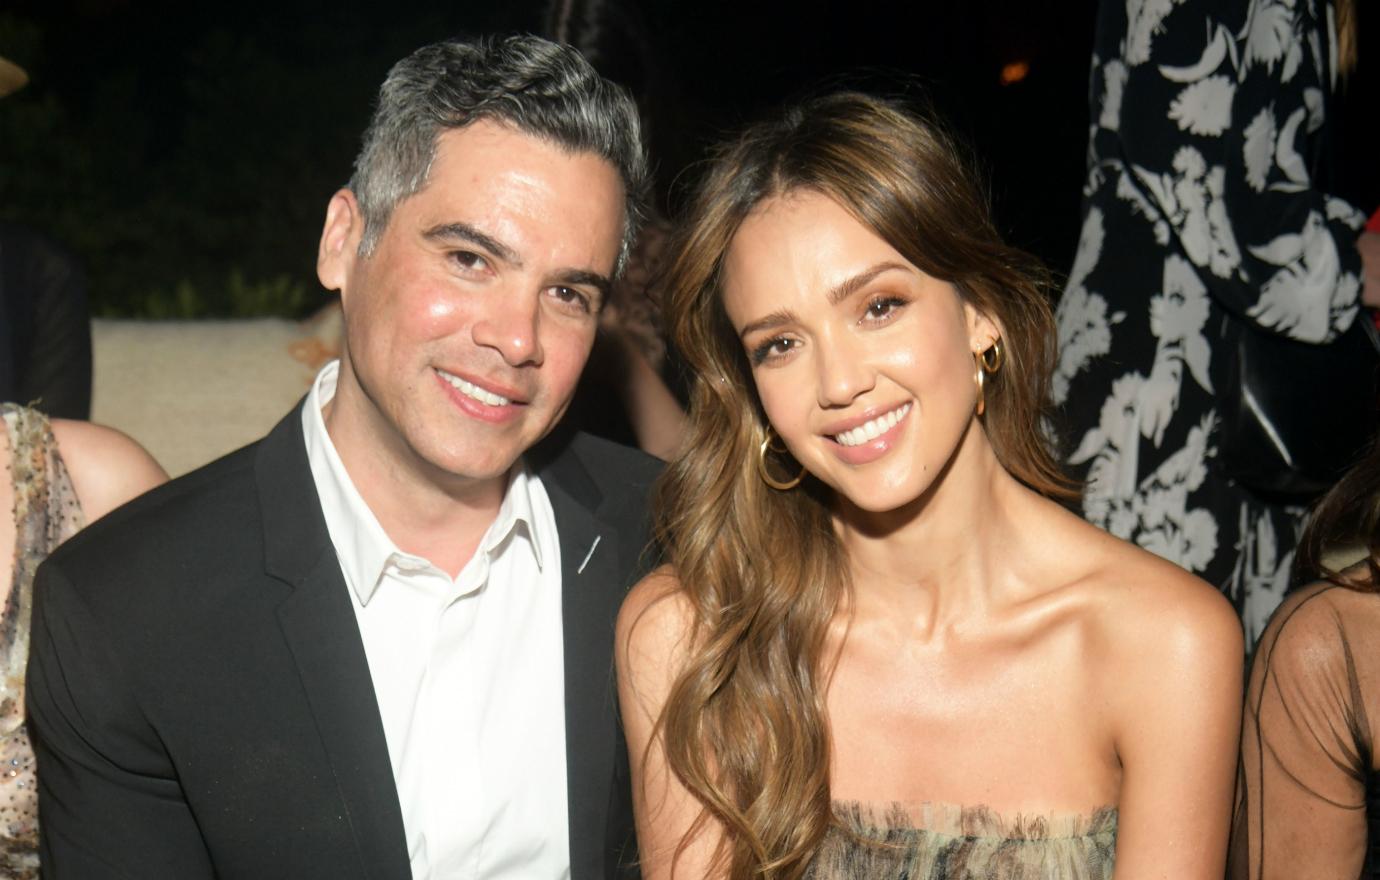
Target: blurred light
1014,72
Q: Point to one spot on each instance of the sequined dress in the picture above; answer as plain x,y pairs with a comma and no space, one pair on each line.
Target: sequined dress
46,513
940,842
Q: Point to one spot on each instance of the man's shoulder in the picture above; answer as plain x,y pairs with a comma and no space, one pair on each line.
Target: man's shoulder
172,522
607,478
596,477
612,464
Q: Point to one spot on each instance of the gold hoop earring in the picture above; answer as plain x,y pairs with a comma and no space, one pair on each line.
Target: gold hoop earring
979,374
998,354
780,485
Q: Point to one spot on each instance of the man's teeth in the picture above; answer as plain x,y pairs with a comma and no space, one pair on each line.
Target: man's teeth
471,390
873,429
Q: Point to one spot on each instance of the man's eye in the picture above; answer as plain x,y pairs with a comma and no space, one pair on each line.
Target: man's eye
469,260
571,297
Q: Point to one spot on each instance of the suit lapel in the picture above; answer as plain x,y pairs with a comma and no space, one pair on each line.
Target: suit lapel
319,626
590,552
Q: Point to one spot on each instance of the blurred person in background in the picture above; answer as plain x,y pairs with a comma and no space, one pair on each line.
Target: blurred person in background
59,476
1207,201
624,394
1308,801
45,326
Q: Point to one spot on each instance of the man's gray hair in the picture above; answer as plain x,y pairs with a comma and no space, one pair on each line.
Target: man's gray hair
538,87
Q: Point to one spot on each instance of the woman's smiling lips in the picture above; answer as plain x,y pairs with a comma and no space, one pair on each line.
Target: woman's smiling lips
869,436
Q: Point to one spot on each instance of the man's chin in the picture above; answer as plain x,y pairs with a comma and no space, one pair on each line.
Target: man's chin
490,452
472,466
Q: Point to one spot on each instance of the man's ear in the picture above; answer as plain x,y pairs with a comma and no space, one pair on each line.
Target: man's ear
339,241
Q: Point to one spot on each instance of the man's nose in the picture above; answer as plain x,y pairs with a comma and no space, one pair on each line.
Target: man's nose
511,327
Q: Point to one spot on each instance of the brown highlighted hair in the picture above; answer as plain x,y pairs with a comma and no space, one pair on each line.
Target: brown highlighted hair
744,726
1347,36
1349,513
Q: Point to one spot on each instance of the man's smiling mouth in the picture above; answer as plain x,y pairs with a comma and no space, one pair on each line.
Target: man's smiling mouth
472,391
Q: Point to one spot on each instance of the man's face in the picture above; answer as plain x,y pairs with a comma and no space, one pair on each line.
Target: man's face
469,323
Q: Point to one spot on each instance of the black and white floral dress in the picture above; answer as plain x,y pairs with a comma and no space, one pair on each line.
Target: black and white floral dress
1208,155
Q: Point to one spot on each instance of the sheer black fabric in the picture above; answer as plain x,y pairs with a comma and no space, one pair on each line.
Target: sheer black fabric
1307,793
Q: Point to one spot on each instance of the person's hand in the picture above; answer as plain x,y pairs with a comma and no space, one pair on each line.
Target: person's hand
1369,246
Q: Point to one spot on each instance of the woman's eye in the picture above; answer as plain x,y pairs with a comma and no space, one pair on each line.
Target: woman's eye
883,306
772,348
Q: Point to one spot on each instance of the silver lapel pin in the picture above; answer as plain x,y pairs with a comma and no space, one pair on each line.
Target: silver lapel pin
581,569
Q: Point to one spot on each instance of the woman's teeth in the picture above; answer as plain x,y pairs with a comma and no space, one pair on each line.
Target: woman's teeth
873,429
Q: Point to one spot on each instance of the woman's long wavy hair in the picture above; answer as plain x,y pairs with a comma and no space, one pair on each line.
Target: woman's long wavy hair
744,727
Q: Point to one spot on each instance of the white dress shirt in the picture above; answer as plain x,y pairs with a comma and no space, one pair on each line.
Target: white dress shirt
468,673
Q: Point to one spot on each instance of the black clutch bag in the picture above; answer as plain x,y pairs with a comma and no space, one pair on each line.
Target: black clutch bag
1294,415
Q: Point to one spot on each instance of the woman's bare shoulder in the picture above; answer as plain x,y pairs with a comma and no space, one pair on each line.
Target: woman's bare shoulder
1163,654
107,467
656,614
651,644
1151,607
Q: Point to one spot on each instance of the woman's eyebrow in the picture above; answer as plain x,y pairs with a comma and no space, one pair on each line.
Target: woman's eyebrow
778,318
846,288
837,294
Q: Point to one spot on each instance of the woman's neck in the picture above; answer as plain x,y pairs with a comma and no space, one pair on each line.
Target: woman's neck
949,556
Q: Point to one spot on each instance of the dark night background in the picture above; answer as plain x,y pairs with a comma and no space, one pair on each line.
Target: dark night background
186,154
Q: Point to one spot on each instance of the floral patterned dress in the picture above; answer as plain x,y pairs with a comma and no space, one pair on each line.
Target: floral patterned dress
1208,153
46,513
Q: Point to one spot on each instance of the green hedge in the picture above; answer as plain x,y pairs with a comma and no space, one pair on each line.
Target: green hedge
190,170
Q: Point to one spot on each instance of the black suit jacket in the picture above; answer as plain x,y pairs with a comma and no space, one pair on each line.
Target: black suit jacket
200,699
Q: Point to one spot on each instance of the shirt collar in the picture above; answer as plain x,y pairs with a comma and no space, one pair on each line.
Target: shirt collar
362,546
517,515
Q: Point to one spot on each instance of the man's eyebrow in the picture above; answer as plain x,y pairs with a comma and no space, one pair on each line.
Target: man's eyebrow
467,233
574,277
848,287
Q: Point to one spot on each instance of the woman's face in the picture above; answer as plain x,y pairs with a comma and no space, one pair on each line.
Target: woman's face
864,363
